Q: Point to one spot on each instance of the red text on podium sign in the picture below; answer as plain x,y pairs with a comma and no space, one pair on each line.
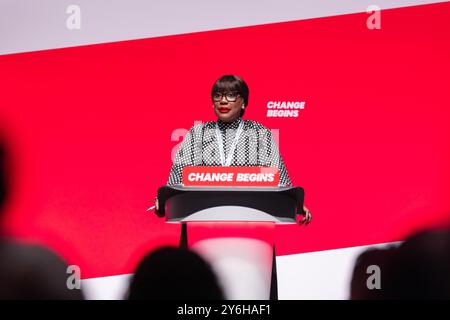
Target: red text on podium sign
231,176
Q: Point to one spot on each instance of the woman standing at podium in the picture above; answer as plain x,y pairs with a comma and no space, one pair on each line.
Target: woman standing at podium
231,140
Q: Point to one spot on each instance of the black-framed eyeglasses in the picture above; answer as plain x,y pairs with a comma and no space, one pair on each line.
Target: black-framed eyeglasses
230,96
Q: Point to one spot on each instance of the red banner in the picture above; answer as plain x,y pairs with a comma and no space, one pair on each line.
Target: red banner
231,176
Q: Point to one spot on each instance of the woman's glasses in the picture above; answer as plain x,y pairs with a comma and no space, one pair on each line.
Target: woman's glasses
230,96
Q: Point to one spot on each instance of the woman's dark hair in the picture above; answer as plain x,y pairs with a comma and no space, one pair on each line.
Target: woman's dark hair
231,83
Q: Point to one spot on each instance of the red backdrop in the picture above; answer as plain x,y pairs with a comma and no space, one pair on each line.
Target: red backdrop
91,130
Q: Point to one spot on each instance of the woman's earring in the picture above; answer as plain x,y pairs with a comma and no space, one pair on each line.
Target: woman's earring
243,106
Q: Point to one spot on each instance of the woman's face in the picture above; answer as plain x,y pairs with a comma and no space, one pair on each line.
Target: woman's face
227,105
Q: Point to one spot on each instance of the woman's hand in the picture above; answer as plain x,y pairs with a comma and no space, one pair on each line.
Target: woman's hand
307,216
156,205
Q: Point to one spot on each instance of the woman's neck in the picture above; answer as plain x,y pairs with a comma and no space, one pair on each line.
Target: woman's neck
236,120
230,124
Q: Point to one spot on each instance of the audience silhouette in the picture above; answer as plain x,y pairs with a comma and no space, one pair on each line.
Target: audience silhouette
174,274
29,271
379,257
418,269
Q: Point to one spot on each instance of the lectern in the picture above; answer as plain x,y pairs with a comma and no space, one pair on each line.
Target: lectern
233,229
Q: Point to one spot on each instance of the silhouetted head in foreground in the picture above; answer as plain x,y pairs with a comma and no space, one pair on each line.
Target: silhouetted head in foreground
420,269
174,274
370,273
28,271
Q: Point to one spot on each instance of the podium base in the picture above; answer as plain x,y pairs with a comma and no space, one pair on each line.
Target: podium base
240,253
